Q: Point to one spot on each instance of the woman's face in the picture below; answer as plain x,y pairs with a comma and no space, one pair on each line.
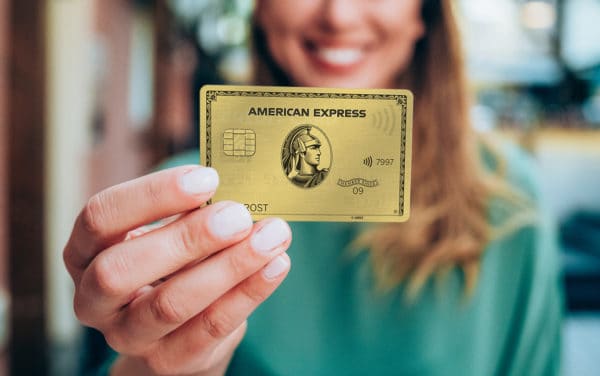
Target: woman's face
341,43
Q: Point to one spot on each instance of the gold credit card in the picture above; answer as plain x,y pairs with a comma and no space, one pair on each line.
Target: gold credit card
310,154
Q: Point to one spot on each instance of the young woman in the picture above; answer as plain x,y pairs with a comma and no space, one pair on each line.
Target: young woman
178,299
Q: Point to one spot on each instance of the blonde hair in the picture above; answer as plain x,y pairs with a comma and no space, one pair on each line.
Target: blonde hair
451,191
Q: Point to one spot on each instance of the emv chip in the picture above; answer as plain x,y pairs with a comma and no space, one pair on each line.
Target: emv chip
239,142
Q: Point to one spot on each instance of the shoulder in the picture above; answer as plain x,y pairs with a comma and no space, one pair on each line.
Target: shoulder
523,227
522,263
521,222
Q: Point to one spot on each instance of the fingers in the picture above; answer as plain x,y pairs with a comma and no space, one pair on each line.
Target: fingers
108,283
182,297
135,233
211,332
219,266
110,214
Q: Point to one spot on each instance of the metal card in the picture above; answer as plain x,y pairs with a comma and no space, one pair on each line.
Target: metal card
310,154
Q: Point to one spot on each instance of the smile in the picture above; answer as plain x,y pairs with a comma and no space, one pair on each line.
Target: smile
340,56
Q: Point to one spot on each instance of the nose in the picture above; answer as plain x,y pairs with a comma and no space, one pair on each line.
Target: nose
341,14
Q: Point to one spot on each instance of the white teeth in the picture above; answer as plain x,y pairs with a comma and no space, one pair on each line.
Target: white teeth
340,56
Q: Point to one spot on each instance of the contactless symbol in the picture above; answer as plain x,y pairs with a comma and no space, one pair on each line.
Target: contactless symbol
368,161
385,120
306,156
239,142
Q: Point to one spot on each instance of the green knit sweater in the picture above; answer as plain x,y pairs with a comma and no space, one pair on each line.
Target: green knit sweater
327,318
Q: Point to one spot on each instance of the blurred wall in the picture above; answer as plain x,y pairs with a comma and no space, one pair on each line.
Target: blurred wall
99,112
570,171
3,172
119,150
26,127
69,115
97,71
3,126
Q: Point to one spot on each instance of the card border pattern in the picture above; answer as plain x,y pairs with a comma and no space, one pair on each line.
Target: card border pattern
401,100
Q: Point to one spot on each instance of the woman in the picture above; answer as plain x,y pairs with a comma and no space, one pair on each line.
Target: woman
175,300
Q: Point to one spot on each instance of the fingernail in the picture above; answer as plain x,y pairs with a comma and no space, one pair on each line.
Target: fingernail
230,220
200,180
272,234
276,267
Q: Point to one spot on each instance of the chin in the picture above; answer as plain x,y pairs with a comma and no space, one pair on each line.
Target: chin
337,82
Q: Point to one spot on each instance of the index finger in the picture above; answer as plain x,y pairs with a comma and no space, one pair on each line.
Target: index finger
110,214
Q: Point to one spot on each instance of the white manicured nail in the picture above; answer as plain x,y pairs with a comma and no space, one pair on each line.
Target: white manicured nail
271,235
230,220
276,267
200,180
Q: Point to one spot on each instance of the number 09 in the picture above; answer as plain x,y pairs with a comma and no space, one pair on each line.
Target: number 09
358,190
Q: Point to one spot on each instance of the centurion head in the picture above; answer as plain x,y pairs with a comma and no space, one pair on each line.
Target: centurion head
303,140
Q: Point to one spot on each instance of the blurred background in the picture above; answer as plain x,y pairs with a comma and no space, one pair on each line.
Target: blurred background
94,92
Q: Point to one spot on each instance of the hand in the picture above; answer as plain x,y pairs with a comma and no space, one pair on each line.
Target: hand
173,300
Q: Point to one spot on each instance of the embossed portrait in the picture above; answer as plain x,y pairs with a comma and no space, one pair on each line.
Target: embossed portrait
306,156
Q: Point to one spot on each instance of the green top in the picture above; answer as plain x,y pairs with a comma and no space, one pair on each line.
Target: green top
327,319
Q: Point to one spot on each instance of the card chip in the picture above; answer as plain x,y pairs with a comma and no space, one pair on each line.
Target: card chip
239,142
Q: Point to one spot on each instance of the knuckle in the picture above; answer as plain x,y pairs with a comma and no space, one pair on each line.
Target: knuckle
165,310
67,255
68,261
154,192
239,263
254,292
93,214
82,311
186,240
217,324
105,277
